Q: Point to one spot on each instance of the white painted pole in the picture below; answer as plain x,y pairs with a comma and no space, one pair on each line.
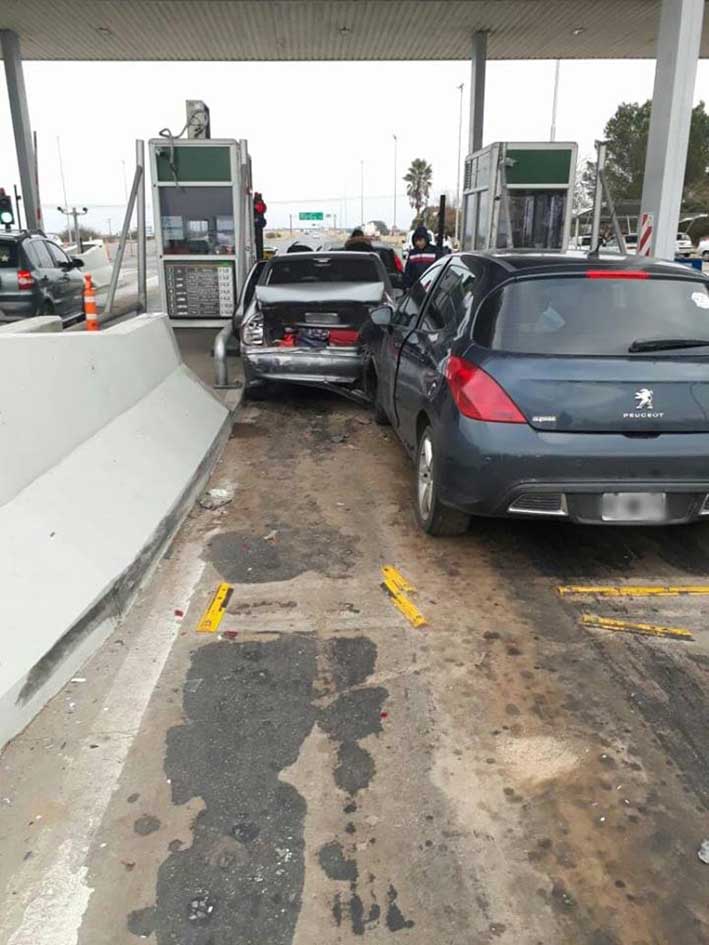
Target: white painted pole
678,43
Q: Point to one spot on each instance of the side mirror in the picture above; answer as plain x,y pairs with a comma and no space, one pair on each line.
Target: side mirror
382,316
77,263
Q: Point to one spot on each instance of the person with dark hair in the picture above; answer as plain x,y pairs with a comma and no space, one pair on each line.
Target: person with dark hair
422,255
358,241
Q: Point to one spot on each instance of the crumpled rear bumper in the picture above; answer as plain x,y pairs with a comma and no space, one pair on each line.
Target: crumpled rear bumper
309,365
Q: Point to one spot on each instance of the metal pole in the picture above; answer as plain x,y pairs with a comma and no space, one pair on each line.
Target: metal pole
77,231
361,191
61,174
10,44
460,150
17,205
40,221
620,240
221,365
598,195
477,90
441,221
555,101
142,251
396,143
118,261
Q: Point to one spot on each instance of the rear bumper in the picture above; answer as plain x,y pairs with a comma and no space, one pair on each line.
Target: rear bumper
307,365
13,308
484,468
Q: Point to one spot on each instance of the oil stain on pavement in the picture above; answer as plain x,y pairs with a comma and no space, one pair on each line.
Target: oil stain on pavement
245,558
242,878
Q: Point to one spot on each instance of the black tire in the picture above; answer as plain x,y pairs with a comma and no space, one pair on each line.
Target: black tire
256,391
380,415
705,255
433,517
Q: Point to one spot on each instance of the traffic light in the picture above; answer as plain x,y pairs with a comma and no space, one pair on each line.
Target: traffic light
259,210
6,213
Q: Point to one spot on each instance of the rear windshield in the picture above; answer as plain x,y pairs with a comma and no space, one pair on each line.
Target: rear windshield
581,316
323,269
9,255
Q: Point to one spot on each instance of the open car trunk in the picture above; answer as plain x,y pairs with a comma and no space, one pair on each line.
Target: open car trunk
316,316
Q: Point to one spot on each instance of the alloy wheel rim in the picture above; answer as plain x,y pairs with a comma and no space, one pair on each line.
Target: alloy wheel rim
425,478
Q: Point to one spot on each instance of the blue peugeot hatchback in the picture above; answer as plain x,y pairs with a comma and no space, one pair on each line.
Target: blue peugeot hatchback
567,387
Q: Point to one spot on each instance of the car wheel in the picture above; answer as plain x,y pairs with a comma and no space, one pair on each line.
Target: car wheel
380,415
705,255
433,517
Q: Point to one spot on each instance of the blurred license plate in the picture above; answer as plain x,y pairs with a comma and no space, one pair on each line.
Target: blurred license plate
633,506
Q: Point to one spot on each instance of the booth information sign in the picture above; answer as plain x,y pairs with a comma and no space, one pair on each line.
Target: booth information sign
199,289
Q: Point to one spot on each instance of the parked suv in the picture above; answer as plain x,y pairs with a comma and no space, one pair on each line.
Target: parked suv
38,278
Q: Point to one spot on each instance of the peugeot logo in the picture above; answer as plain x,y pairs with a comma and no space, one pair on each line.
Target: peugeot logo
644,399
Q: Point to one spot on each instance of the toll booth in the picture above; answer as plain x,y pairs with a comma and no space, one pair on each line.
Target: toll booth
204,228
519,196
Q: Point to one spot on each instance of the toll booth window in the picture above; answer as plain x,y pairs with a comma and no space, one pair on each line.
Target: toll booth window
537,218
197,221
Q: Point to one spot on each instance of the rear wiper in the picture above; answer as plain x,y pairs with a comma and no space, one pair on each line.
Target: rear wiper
666,344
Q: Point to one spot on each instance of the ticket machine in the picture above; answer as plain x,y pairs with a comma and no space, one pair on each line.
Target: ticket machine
519,196
204,229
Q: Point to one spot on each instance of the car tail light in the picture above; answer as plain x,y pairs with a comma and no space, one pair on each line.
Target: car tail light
617,274
252,329
398,263
477,395
25,279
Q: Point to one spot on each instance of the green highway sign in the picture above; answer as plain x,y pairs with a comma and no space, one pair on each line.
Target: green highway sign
311,216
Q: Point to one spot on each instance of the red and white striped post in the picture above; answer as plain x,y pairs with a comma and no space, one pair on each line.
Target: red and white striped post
647,225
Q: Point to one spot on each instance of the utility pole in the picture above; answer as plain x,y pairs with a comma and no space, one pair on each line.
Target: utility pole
361,191
61,174
555,101
75,214
290,223
396,142
460,147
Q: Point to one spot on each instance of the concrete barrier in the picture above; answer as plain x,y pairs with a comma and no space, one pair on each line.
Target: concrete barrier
38,323
105,439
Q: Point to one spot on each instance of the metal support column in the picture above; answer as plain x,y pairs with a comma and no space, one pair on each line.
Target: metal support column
598,196
10,43
142,254
678,42
477,91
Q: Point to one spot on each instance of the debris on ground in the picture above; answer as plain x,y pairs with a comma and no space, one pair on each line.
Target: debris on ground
703,852
201,907
396,585
179,613
271,535
216,498
230,634
212,616
628,626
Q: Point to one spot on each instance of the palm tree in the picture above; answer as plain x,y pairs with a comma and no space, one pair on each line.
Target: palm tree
418,183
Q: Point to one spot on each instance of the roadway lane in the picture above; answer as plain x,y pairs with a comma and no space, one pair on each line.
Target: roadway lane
319,771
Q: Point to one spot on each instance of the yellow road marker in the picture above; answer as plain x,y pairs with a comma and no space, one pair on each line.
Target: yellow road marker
397,586
212,616
631,590
650,629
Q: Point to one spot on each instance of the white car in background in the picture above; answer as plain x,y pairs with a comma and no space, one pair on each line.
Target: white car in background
684,246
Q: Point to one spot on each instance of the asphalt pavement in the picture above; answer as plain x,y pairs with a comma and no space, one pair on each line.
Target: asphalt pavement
320,770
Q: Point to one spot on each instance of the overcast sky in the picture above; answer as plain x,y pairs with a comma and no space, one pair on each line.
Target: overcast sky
309,125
